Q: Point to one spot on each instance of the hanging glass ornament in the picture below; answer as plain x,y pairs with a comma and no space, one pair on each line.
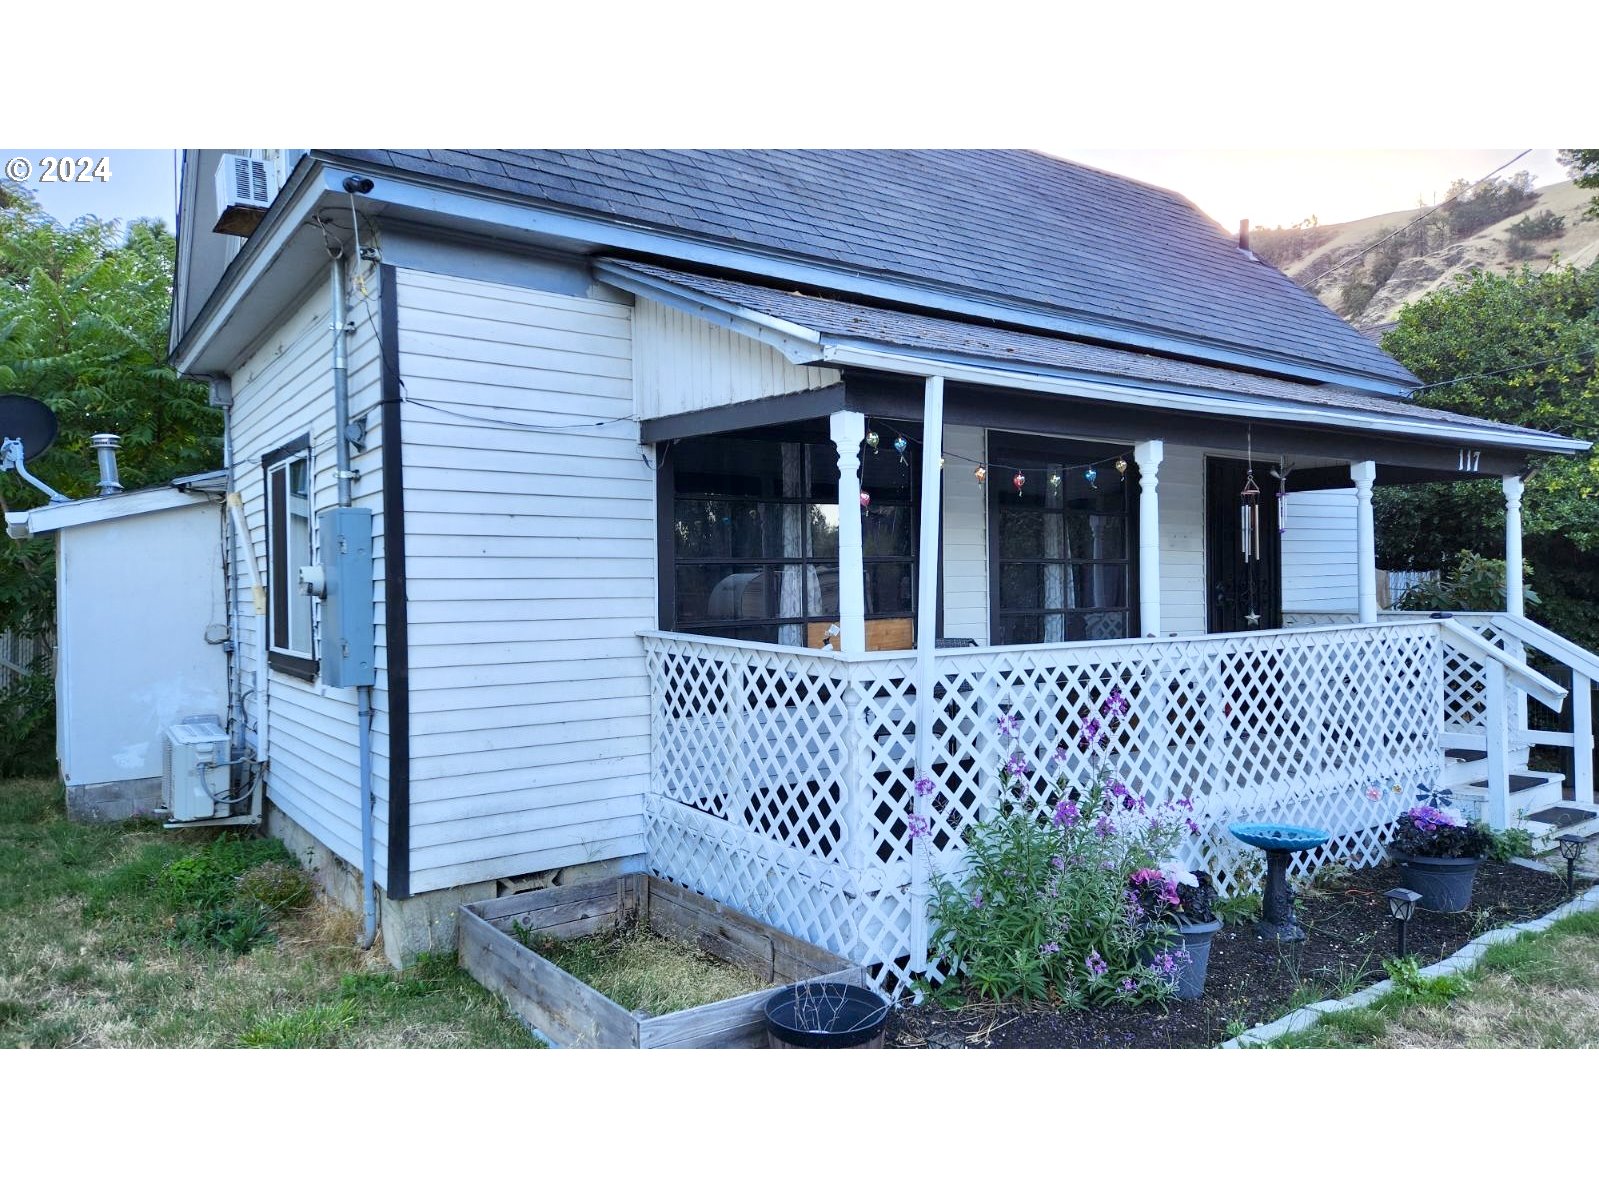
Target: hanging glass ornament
1091,474
1054,481
866,500
900,446
1017,481
873,440
1121,467
940,464
980,474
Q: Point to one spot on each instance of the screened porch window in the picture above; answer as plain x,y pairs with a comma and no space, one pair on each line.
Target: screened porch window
754,542
1062,555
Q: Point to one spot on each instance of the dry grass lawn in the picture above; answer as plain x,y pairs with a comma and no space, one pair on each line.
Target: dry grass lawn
90,957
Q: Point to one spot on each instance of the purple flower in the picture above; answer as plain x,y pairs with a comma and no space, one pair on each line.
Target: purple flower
1066,813
1119,789
1049,950
1090,733
1095,963
1008,724
1185,803
925,786
1104,826
1018,766
1193,829
1059,756
977,899
1058,862
917,826
1115,704
1129,985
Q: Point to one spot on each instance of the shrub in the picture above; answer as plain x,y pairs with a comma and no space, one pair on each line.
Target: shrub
1428,832
1064,898
1539,226
1473,584
276,886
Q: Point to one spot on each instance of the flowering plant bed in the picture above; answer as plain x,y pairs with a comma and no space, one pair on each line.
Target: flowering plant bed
1250,981
495,948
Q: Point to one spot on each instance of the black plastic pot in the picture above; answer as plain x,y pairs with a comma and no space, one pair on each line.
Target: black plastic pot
825,1016
1443,883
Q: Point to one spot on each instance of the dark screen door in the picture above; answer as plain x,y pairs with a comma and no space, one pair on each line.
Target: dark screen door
1243,596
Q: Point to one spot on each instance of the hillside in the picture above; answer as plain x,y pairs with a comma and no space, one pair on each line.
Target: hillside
1304,253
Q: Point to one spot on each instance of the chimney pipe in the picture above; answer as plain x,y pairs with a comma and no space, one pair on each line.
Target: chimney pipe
105,448
1243,234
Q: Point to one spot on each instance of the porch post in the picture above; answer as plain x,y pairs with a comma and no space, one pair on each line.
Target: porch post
1365,476
1515,603
926,644
1148,455
848,429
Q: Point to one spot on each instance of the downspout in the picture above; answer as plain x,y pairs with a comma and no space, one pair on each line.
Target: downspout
363,717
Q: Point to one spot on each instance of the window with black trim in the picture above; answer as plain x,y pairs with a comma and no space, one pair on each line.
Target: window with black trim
754,539
1061,554
288,495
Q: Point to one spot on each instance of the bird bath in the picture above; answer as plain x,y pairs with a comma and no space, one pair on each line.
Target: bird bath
1277,921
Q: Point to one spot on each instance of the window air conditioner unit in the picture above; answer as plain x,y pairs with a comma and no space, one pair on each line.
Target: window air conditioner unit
194,767
243,194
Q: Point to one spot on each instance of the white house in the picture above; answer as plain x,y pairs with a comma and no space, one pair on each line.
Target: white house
717,496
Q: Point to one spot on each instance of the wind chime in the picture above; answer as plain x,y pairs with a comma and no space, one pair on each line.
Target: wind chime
1249,516
1281,475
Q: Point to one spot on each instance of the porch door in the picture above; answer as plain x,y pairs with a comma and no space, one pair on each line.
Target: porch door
1242,596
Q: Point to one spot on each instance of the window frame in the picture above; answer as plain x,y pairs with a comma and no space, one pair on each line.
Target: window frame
1035,455
282,590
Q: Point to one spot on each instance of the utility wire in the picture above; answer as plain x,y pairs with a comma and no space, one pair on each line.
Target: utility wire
1509,370
1437,208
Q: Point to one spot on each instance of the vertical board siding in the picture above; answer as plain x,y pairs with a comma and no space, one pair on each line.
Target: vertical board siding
965,536
283,390
683,364
1319,554
530,554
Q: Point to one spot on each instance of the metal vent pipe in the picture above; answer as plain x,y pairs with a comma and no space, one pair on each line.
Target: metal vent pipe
105,449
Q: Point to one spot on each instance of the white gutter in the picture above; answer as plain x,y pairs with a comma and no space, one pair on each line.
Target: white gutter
1144,395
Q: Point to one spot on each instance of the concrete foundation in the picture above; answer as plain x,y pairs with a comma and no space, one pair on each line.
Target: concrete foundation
424,923
105,803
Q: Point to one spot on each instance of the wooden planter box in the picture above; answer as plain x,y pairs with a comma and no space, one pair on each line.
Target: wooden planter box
574,1014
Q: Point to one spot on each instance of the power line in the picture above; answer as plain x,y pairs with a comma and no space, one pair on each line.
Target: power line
1437,208
1508,370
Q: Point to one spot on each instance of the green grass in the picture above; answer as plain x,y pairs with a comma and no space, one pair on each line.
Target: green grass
135,936
1538,991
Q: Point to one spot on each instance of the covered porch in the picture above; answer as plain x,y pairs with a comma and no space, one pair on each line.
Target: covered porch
883,576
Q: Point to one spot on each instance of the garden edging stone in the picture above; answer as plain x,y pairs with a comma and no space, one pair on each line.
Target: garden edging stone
1458,962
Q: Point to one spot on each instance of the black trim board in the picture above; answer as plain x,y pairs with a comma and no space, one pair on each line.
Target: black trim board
396,619
750,414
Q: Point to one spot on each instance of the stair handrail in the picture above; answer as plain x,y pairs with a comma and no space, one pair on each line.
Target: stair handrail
1547,641
1545,690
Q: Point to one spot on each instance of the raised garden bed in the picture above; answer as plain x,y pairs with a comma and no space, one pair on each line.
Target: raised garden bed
572,1013
1251,981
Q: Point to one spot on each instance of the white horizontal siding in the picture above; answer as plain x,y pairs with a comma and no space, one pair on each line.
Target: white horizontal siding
1182,540
531,569
1319,553
683,364
282,391
965,537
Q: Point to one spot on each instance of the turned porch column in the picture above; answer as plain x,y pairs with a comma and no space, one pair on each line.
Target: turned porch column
1515,602
1148,455
1365,476
848,429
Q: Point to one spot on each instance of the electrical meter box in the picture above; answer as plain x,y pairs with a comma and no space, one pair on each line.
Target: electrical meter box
348,650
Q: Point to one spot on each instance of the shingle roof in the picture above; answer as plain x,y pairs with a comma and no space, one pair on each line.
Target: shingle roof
844,321
1013,225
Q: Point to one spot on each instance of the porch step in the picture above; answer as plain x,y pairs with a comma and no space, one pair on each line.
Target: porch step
1530,791
1557,819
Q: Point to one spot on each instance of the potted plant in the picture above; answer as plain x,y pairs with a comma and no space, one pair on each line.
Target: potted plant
825,1015
1438,852
1176,902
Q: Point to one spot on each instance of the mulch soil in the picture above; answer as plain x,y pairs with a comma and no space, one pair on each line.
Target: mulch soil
1250,981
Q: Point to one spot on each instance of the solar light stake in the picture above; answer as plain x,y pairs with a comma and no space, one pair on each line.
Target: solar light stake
1571,850
1401,906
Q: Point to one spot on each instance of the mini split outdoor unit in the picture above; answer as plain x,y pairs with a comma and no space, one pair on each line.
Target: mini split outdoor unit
243,194
194,768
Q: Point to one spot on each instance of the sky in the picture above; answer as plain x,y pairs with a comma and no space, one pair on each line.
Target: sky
1268,187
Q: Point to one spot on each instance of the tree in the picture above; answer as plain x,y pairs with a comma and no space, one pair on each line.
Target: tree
1523,348
84,315
1583,166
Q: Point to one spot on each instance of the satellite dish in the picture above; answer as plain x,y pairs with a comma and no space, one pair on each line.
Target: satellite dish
29,421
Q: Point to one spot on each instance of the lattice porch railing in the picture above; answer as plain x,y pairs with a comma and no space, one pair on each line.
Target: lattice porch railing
782,778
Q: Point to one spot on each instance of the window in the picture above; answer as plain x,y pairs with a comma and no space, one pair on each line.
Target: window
1061,567
288,491
753,548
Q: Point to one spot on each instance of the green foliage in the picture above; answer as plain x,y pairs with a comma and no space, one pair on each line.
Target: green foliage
1540,330
276,886
1411,986
1510,843
1539,226
1047,908
27,725
1473,584
316,1027
1287,244
1583,167
84,313
208,876
1478,206
1238,909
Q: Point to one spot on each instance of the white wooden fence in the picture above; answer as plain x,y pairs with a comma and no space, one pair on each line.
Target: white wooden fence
782,778
18,655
